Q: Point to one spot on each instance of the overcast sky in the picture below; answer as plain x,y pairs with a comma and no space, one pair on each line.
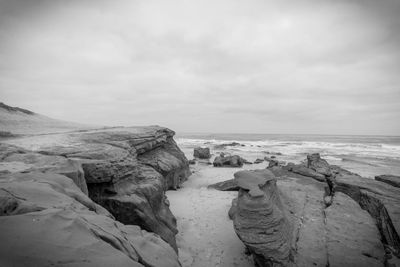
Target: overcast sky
304,66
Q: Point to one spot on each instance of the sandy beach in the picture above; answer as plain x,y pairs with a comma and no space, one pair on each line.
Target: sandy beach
206,236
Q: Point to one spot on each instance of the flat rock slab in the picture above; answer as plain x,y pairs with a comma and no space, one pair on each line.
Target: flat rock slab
389,179
352,236
381,200
342,234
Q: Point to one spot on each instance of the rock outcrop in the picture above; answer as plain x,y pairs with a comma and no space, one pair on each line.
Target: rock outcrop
228,161
202,152
341,219
126,170
260,219
229,185
393,180
258,161
46,220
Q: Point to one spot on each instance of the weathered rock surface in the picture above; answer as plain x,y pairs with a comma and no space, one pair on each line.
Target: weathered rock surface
341,220
229,185
46,220
126,170
15,159
381,200
393,180
258,161
228,161
260,219
202,152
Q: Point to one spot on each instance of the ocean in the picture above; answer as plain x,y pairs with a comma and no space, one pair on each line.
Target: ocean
366,155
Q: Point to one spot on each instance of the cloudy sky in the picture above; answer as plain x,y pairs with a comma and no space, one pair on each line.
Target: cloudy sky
304,66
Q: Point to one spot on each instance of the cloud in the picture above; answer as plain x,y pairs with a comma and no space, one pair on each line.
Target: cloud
241,66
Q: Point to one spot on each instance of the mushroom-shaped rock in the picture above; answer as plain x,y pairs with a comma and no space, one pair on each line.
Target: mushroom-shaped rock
260,220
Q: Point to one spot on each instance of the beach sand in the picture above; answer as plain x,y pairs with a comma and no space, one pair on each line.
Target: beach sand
206,236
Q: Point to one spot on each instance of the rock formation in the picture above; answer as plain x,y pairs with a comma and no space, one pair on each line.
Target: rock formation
125,170
202,152
389,179
260,219
228,161
337,218
46,220
258,161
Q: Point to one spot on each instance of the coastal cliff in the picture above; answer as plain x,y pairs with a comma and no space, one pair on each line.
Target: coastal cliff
125,171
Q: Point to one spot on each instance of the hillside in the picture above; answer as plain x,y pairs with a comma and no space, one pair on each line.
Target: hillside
15,120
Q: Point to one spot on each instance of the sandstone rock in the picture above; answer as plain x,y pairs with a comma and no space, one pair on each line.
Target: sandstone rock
229,161
305,171
389,179
127,170
381,200
258,161
260,219
346,220
317,164
202,152
352,236
339,234
273,163
229,185
47,221
15,159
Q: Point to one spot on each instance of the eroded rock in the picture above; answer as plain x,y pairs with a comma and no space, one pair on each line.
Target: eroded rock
228,161
53,223
127,170
260,220
393,180
342,220
202,152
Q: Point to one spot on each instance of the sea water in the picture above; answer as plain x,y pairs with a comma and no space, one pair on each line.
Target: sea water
366,155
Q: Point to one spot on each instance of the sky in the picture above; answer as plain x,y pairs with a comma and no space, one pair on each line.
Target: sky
233,66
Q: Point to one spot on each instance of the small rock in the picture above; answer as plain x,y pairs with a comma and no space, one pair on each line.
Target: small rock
257,161
202,152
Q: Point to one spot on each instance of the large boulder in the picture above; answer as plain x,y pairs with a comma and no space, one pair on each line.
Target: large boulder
228,161
202,152
45,220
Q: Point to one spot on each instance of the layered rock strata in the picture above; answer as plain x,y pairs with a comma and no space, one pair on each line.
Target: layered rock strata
260,219
393,180
202,152
337,218
125,170
46,220
228,161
